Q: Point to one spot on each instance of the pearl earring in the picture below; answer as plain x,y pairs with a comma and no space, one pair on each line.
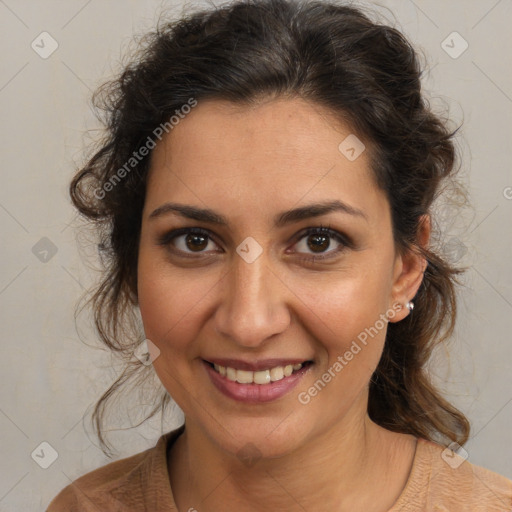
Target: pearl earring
410,305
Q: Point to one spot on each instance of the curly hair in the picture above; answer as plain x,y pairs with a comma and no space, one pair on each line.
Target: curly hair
364,72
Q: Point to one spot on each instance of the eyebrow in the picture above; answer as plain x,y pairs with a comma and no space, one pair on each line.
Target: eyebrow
280,220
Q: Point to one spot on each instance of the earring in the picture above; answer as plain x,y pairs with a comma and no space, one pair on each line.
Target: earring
410,305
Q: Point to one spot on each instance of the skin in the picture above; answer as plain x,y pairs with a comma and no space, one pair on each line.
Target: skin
249,164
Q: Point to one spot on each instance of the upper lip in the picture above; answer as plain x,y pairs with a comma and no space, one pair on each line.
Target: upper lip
254,366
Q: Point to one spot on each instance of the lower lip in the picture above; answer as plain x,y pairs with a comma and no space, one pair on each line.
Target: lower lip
255,393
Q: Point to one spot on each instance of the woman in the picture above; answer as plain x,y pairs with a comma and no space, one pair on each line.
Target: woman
264,196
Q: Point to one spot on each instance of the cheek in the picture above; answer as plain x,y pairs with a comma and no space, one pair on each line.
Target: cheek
345,318
170,302
343,305
171,306
345,315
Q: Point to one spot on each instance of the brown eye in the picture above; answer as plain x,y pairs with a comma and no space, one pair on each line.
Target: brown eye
318,241
196,242
187,241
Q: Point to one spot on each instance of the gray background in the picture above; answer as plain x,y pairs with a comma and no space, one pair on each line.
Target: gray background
50,378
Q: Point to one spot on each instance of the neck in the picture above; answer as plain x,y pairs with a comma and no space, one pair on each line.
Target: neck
351,466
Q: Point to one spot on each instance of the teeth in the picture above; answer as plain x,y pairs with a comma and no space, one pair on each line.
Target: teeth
262,377
259,377
276,373
244,377
220,369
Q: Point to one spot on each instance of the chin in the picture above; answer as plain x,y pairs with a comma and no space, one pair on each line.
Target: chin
250,439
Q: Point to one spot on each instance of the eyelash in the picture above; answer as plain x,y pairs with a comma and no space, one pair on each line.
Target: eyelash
167,238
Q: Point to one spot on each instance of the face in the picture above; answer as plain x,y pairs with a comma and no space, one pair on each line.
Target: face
276,283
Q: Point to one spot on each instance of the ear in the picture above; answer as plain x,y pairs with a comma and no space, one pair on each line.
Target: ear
408,272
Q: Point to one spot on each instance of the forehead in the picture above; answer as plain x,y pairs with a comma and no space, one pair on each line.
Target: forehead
277,153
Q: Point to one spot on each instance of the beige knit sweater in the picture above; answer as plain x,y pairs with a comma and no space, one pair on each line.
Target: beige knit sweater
437,483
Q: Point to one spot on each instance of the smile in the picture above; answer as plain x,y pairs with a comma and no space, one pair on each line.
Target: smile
261,377
264,383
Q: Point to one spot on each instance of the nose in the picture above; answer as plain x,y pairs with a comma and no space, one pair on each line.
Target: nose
253,304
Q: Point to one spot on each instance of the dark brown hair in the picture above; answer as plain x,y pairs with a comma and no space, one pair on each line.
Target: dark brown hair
364,72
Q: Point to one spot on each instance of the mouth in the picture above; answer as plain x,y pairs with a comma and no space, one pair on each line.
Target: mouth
253,383
260,377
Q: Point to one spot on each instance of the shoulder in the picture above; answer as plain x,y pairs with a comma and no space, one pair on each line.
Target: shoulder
126,484
444,481
96,488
